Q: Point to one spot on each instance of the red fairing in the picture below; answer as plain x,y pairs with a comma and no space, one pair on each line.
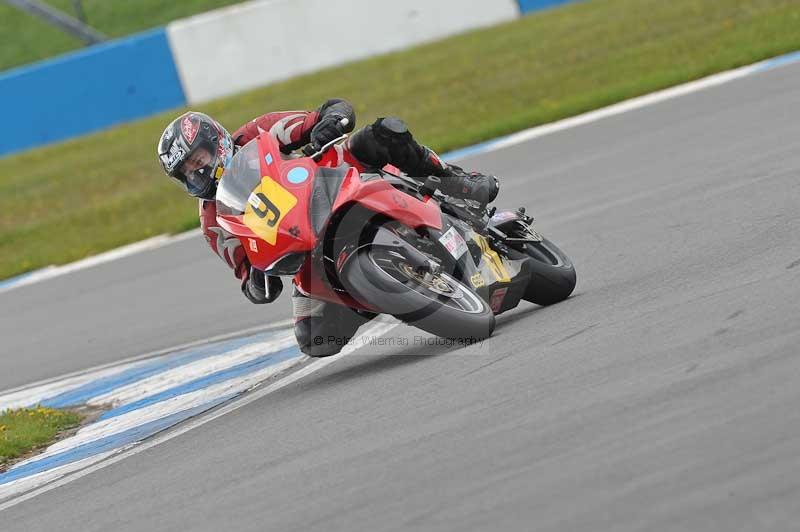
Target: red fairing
379,196
294,233
291,128
224,244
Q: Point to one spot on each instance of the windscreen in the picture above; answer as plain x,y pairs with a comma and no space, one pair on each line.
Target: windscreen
241,177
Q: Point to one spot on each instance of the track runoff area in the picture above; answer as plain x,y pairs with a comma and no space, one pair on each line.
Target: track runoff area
158,396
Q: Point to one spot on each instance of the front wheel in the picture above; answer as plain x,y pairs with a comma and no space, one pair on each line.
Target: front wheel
437,303
553,276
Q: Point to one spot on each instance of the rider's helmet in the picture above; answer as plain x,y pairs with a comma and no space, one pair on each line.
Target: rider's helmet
194,150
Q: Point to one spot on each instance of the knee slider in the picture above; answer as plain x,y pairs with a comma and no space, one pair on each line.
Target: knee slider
302,333
312,340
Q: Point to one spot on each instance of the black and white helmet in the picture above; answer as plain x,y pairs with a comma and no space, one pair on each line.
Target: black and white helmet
194,150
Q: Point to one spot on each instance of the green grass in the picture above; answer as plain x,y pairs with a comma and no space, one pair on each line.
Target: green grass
27,38
27,429
64,202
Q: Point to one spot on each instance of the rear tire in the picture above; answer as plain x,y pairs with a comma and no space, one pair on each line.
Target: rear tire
381,279
553,276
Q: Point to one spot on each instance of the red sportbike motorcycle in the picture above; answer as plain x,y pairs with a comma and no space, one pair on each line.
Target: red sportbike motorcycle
385,243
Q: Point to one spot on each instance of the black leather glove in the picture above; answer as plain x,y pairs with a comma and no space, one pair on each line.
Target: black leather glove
260,288
329,128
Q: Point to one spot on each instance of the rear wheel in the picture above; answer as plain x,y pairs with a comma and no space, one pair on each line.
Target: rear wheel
434,302
553,276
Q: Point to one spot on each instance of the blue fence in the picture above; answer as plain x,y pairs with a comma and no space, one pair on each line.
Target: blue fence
526,6
88,90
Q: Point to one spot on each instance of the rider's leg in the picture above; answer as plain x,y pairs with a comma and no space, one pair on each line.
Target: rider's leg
322,329
388,141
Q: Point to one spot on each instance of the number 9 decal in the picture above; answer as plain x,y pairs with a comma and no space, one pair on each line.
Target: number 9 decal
269,209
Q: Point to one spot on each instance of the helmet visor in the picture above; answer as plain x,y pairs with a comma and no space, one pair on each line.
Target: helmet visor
198,170
199,183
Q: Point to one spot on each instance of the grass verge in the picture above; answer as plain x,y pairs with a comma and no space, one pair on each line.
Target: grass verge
64,202
27,429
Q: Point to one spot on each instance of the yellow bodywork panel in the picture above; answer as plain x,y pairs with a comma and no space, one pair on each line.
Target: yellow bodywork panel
493,260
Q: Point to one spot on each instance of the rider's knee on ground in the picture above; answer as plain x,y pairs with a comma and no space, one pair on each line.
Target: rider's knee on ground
323,329
311,342
320,337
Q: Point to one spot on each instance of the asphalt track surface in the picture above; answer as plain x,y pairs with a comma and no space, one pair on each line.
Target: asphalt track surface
662,396
145,302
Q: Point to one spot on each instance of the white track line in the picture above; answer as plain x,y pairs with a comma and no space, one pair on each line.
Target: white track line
377,328
35,393
30,394
193,370
116,425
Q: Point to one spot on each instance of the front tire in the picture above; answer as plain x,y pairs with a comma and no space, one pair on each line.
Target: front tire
441,305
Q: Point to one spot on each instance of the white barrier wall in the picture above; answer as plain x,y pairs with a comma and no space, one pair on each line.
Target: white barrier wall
252,44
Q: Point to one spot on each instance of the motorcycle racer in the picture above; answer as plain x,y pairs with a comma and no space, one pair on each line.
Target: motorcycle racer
195,149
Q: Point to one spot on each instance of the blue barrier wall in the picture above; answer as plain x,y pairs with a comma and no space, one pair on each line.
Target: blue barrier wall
88,90
526,6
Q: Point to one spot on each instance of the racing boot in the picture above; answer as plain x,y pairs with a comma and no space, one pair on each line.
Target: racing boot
458,183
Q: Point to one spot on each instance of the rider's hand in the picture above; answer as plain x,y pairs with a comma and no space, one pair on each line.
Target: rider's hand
328,129
260,288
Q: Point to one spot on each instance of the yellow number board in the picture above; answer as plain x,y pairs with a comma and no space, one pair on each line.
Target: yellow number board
267,206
